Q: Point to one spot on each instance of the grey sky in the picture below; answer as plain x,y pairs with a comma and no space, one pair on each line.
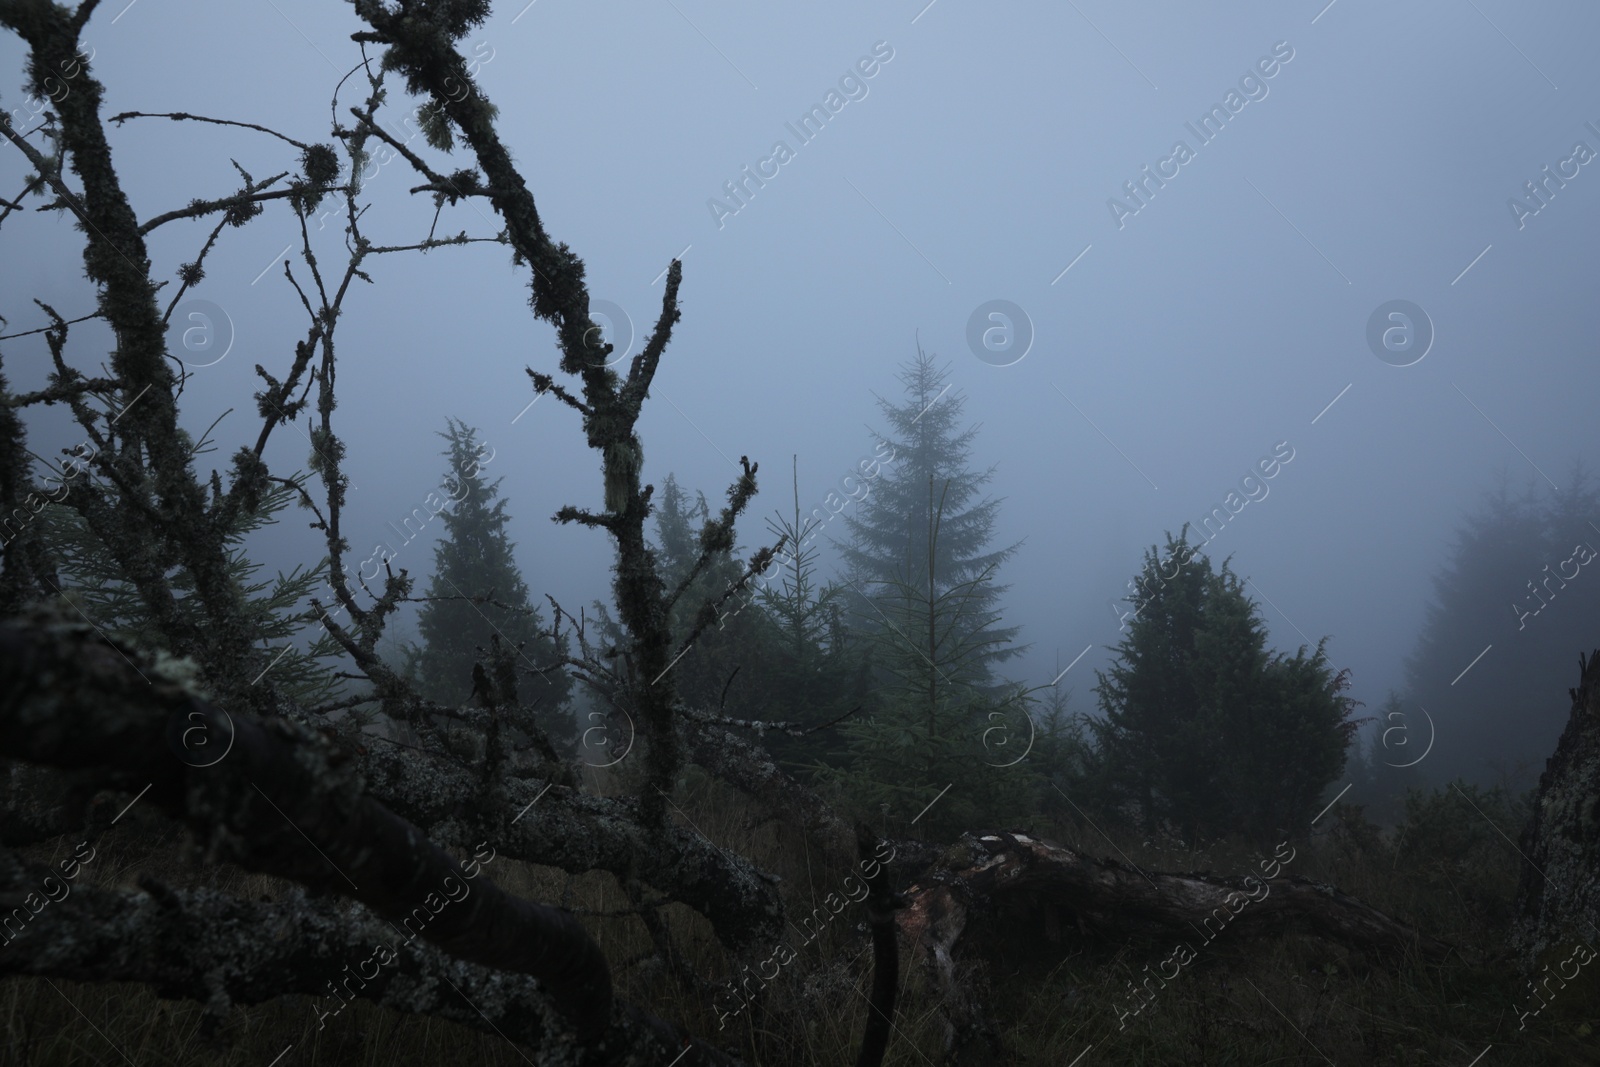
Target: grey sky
976,164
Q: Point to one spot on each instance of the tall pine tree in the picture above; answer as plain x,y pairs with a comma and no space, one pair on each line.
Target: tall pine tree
935,721
814,673
929,478
923,585
477,592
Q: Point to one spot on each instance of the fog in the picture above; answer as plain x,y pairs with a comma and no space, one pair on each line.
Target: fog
1170,318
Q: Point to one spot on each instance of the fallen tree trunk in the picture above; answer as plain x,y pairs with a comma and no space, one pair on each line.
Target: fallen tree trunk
554,826
221,951
1038,886
278,799
1108,897
750,768
573,831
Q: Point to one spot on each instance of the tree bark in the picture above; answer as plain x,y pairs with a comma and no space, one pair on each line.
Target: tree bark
221,951
750,768
279,799
1117,900
1558,895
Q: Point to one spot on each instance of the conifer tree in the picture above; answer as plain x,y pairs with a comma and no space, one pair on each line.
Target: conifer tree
1147,698
815,673
1520,578
889,536
1389,764
1064,756
716,673
724,671
1203,725
302,654
477,593
936,709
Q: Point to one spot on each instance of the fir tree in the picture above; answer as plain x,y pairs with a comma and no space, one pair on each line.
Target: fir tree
716,672
723,673
1389,764
301,652
1064,755
890,533
937,716
1202,724
815,673
1147,698
477,593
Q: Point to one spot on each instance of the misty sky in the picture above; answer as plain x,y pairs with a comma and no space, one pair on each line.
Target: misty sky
978,162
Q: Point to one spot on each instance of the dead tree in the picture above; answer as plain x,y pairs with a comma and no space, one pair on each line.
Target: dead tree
283,801
157,516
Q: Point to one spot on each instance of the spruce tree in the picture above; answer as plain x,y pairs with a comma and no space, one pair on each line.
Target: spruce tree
717,672
889,536
477,593
814,673
1147,698
941,733
302,656
1389,764
724,670
1063,754
1202,724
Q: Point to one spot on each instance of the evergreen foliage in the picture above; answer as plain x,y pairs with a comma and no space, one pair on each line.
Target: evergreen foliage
889,535
477,593
1065,757
815,673
1388,765
720,670
1521,578
1203,726
1453,836
95,585
938,722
